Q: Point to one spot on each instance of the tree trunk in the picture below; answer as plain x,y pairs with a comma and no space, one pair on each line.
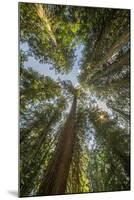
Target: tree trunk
55,179
121,112
124,159
45,21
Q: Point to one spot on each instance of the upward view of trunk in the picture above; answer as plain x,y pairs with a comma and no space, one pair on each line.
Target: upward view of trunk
125,160
123,114
55,179
45,21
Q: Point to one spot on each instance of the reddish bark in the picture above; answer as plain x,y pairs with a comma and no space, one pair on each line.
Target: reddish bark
55,179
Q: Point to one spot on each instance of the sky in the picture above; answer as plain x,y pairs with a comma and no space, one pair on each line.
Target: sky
72,75
44,68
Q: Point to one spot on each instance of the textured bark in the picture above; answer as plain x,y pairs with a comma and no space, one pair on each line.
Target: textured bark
55,179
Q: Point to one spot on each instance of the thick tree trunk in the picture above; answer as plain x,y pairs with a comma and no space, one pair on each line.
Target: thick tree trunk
55,179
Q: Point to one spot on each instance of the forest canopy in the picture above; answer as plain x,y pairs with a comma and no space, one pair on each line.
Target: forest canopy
74,138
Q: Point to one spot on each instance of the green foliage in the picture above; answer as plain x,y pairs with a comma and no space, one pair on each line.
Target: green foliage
34,31
101,149
105,66
41,110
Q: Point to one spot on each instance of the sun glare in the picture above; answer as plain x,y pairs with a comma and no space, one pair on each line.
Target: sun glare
102,117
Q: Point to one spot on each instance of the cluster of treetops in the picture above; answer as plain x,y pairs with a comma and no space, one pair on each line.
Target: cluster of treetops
68,144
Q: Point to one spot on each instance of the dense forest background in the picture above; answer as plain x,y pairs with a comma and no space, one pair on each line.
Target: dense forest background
74,138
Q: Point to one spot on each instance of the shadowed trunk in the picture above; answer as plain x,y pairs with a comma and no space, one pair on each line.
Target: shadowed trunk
36,151
125,160
55,179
